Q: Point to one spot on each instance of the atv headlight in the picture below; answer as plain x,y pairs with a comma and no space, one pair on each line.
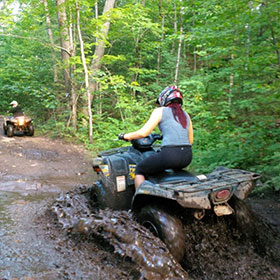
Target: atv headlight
21,121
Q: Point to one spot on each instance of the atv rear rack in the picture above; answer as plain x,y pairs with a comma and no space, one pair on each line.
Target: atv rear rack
217,179
197,194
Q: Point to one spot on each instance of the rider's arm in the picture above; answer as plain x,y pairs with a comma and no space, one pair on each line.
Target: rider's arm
148,127
191,132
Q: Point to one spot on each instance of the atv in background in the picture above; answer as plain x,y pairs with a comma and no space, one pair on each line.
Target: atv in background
161,198
23,124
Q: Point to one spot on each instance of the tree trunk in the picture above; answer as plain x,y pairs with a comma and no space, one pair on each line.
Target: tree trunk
175,26
85,71
64,42
100,48
99,97
137,58
96,9
194,53
74,97
162,18
231,83
67,49
48,21
3,5
179,49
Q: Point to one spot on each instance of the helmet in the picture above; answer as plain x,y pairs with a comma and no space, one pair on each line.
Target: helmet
168,94
14,103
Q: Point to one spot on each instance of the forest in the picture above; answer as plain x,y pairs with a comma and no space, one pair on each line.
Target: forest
87,70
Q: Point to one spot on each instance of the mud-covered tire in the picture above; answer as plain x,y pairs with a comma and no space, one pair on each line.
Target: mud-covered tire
4,129
10,130
165,226
30,131
97,196
105,195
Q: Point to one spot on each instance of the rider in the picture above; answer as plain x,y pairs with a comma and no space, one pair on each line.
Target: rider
16,110
177,132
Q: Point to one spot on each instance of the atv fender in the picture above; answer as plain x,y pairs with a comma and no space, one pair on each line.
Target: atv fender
116,189
197,200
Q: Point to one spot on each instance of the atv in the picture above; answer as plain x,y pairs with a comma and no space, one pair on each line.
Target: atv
158,200
18,124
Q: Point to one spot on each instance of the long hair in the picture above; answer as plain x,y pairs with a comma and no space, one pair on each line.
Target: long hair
178,113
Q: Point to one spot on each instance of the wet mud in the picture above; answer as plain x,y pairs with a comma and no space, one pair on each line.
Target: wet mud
242,246
234,247
49,228
117,228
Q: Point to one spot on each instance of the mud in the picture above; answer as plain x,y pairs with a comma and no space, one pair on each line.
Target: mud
243,246
238,247
50,230
117,228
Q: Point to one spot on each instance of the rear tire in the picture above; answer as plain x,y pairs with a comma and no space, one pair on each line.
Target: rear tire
10,130
30,131
165,226
5,129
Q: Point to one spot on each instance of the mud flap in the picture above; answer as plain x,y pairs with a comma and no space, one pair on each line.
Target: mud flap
223,209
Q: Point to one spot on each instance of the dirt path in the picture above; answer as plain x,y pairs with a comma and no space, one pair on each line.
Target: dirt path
40,164
34,171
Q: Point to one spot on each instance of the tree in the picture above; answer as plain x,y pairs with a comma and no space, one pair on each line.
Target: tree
85,71
100,45
67,51
50,33
226,63
64,42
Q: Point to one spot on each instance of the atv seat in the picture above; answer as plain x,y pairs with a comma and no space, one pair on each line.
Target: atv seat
170,175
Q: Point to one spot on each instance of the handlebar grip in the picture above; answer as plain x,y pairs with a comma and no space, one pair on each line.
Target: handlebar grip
157,136
121,137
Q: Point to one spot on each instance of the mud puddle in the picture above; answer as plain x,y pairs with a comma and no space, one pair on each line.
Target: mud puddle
31,251
23,252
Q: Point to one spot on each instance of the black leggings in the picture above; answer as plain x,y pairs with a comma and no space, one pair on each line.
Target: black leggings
176,157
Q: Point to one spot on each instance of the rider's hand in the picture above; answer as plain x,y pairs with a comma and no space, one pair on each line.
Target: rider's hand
121,137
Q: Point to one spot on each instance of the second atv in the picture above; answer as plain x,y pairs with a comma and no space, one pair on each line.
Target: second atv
23,124
161,197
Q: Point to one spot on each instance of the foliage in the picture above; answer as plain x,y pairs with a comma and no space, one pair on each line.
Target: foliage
228,73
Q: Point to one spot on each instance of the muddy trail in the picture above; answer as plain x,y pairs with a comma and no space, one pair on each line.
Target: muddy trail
49,228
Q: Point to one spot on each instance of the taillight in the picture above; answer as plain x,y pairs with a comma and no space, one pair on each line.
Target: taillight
223,194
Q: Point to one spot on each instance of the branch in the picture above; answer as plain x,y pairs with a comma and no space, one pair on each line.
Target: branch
35,39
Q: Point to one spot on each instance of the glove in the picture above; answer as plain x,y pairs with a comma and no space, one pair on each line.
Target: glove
121,137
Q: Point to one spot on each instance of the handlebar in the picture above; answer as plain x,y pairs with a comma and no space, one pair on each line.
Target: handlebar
142,143
152,136
121,137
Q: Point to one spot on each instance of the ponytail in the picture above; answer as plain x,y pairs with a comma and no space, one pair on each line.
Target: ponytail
178,114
